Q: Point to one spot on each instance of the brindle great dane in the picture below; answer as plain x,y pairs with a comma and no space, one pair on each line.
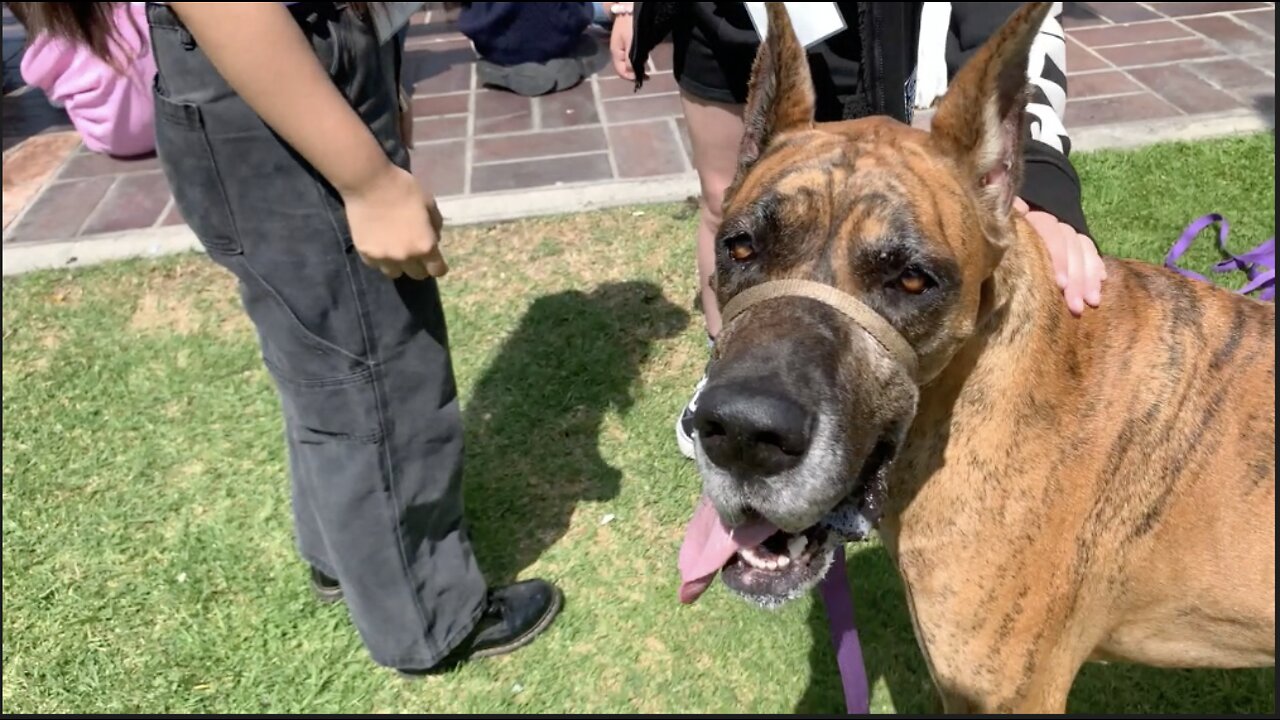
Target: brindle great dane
1053,490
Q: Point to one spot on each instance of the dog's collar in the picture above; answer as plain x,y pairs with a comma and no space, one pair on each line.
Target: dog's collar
870,320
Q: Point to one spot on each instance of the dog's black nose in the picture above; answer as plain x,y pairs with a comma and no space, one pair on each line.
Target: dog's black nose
751,427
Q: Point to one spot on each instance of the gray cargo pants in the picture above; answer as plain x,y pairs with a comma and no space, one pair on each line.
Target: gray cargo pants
361,362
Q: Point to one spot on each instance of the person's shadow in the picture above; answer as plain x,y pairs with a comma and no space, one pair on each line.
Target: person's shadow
533,418
894,662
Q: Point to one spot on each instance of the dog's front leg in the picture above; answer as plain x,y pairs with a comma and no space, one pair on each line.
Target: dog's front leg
988,651
960,704
979,681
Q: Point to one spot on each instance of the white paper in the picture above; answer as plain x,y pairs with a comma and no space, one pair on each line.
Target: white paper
931,55
813,21
389,17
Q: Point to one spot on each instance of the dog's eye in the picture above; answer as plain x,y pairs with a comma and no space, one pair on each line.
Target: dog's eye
741,247
914,281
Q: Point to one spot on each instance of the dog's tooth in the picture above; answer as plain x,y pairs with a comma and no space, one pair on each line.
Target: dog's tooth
796,545
783,561
760,558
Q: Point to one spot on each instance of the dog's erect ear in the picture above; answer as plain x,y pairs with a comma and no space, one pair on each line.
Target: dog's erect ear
781,94
979,121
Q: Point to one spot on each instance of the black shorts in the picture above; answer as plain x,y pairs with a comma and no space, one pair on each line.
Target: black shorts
715,45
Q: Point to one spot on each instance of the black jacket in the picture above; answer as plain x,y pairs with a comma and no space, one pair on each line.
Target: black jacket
889,35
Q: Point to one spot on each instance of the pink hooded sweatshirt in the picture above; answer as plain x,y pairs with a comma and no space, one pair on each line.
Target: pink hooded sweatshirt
113,113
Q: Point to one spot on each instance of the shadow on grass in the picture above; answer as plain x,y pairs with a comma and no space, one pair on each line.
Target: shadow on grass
533,419
894,660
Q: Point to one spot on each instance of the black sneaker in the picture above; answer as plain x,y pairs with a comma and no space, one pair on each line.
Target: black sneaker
685,433
326,589
515,616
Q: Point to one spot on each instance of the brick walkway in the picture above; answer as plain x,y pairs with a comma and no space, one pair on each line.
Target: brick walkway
1130,64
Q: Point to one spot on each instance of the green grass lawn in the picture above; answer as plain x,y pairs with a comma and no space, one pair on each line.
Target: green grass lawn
148,557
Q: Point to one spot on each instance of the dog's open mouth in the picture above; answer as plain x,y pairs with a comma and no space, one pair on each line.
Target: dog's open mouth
781,567
769,566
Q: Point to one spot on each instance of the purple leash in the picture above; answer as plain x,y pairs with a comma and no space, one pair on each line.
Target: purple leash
1258,264
844,636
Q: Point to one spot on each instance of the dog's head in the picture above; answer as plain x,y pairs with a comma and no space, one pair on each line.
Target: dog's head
804,410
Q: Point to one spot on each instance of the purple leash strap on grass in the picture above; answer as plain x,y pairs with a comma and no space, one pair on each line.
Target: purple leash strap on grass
1258,264
844,636
1262,256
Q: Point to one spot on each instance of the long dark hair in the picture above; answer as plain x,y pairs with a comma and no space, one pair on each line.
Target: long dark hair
84,23
91,23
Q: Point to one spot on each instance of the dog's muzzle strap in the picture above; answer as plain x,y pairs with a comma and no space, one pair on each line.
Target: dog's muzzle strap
870,320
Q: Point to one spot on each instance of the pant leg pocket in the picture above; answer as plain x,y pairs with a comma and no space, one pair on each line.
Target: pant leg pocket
327,395
182,145
336,411
302,333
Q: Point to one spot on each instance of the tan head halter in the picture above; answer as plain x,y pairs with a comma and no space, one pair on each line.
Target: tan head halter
853,308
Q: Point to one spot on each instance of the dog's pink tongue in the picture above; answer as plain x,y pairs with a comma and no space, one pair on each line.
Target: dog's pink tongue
708,545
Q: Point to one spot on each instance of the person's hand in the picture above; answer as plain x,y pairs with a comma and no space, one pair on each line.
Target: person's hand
395,226
1076,264
620,46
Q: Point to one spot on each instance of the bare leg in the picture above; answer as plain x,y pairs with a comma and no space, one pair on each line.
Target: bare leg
715,130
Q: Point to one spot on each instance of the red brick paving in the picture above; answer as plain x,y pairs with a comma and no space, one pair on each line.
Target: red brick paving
441,167
30,164
87,164
1080,59
446,127
1229,32
457,103
571,108
1264,20
568,141
1130,34
502,112
1127,62
1158,53
1106,82
1118,108
1230,73
646,107
1183,88
173,217
134,201
61,209
647,149
1120,12
545,172
1187,9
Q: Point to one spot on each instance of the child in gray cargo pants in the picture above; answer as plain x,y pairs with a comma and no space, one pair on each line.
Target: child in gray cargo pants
304,194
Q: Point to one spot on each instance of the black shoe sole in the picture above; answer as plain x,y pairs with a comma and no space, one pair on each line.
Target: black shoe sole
326,593
328,596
